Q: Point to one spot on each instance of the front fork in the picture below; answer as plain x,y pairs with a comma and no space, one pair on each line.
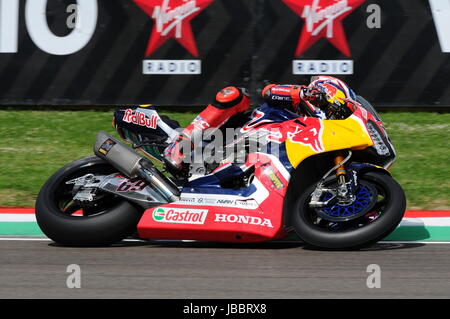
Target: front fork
344,192
346,182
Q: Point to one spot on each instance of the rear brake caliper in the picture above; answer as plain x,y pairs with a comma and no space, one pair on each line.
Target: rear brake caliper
85,189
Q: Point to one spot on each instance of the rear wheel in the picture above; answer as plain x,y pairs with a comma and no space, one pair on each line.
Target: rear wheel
107,220
376,211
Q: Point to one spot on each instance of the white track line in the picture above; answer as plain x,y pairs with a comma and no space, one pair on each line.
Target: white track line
17,218
23,239
126,240
384,242
415,242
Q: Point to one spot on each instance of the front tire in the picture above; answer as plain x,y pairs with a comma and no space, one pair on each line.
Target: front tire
113,221
363,232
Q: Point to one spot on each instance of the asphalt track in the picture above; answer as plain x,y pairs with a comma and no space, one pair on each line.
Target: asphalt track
133,269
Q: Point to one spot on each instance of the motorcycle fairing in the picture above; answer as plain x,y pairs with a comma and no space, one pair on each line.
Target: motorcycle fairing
266,114
243,215
130,124
324,136
209,212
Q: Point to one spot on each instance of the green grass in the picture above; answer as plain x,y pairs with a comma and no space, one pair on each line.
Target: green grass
34,144
422,167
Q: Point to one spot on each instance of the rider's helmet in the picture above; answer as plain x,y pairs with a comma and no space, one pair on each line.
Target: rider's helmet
331,96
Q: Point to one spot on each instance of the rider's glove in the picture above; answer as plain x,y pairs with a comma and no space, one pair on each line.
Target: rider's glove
315,96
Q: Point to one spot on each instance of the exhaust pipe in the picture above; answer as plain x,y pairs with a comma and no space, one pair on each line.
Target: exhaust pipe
133,165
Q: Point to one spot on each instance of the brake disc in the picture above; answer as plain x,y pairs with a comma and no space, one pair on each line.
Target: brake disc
366,197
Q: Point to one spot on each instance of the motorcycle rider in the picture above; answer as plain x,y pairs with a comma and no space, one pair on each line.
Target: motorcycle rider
325,97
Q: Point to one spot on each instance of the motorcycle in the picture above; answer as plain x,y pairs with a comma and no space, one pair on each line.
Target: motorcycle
324,180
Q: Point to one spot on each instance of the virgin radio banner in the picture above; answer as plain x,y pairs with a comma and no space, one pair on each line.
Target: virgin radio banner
180,52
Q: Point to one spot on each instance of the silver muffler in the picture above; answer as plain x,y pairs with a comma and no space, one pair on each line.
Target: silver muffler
134,165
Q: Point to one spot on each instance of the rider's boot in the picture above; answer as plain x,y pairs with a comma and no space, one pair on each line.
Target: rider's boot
228,102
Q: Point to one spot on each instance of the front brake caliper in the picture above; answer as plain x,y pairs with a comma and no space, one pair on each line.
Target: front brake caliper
316,202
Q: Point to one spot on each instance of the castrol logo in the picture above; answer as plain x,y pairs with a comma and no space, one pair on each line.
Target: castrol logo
180,215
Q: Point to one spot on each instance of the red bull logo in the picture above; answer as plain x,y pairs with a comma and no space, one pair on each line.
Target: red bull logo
140,119
309,135
334,94
330,89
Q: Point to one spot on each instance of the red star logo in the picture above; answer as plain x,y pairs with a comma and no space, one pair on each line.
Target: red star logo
323,19
172,20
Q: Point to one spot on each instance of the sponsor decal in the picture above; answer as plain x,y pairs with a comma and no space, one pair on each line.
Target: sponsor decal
225,201
140,119
130,186
200,123
272,176
180,215
280,90
106,146
86,14
242,219
441,16
309,135
249,203
171,67
243,203
277,183
172,21
322,19
188,199
312,67
280,97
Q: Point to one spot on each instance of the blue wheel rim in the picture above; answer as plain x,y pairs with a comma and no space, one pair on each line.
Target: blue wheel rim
365,198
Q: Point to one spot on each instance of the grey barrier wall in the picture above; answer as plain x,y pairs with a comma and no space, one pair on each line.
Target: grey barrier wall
180,52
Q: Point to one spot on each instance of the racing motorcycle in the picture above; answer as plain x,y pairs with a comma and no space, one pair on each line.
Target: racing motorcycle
323,180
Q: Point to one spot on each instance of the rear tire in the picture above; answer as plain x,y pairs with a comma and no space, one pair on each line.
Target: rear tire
356,238
103,228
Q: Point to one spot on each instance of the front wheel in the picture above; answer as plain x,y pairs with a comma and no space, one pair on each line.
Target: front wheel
377,210
107,220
